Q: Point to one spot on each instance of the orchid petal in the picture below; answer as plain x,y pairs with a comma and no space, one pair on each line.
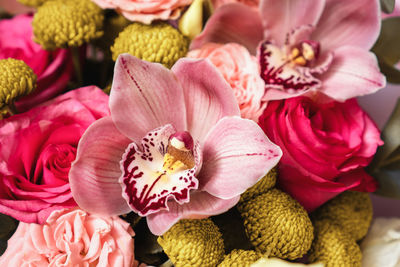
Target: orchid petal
283,16
353,72
95,172
236,154
348,23
208,96
232,23
201,205
144,96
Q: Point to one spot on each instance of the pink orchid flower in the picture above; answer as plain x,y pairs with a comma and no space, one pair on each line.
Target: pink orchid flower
305,46
173,148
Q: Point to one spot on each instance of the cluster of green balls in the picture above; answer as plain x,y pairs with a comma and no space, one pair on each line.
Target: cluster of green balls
276,226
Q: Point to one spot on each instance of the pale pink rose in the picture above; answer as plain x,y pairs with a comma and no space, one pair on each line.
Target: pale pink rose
53,69
72,237
36,151
146,11
240,70
315,48
251,3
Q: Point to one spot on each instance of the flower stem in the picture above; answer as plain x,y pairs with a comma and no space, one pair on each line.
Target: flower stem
77,65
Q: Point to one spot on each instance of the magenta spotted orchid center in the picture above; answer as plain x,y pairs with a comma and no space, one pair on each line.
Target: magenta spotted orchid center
163,167
294,66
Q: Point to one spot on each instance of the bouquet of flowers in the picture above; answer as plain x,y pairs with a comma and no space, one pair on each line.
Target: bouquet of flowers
197,133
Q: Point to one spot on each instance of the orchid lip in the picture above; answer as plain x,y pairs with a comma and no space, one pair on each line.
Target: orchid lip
157,172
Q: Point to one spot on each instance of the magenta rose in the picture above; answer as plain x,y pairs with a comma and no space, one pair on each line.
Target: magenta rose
36,151
325,147
53,69
72,237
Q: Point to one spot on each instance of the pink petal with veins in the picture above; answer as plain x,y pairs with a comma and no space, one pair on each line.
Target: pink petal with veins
95,172
208,97
232,23
139,102
237,154
283,16
353,72
343,22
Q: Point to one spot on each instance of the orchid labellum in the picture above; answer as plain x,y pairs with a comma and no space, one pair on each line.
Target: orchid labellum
305,47
174,146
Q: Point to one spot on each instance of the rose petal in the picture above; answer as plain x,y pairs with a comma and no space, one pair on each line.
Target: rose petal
348,23
353,72
144,96
283,16
95,172
236,154
232,23
208,97
201,205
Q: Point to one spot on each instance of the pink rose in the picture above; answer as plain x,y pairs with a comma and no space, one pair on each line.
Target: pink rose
325,147
240,70
250,3
53,69
71,237
146,11
36,151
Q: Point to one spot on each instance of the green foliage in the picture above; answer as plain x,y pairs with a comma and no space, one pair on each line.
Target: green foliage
387,49
387,6
385,166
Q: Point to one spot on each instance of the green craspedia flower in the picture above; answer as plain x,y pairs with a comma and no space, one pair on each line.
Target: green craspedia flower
240,258
61,24
158,42
277,225
352,211
193,243
16,79
32,3
333,246
262,186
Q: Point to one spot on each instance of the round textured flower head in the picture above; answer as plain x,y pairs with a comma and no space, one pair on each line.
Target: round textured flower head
277,224
159,42
61,24
32,3
193,243
142,157
16,79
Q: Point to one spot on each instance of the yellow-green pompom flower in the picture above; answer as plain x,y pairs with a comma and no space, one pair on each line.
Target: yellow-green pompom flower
240,258
193,243
61,24
275,262
352,211
262,186
16,79
159,42
333,246
277,224
32,3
